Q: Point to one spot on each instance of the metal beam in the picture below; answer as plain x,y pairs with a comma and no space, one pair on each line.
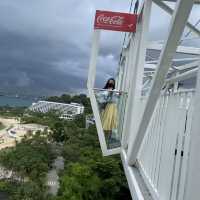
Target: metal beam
93,59
186,75
169,10
188,66
196,1
180,49
152,67
177,26
174,60
137,59
134,187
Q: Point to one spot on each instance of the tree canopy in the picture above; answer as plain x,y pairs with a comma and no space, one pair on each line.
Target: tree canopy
87,175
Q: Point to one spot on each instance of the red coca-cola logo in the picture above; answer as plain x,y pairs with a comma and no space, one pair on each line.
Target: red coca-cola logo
115,21
112,20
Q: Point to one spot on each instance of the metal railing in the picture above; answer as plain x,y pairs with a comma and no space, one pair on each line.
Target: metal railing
162,157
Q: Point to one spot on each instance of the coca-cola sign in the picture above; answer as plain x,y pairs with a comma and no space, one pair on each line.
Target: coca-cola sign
115,21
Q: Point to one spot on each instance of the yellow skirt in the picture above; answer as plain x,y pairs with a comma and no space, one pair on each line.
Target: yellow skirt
109,117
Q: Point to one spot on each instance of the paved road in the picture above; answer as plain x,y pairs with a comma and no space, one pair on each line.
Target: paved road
52,176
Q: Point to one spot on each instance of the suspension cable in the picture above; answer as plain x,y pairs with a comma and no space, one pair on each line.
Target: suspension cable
135,12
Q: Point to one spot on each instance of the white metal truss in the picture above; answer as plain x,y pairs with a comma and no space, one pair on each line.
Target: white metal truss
195,2
169,10
174,60
180,49
137,59
177,26
160,139
192,69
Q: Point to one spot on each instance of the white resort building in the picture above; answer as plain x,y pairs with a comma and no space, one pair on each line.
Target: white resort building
68,111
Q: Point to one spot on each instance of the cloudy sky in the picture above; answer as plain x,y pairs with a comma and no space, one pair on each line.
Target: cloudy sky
45,44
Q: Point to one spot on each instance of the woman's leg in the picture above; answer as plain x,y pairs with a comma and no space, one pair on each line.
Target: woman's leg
108,139
115,139
111,140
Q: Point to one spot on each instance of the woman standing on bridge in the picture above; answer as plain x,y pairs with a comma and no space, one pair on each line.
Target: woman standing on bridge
109,114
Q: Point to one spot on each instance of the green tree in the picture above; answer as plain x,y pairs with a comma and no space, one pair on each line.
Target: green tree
80,121
83,148
29,190
87,175
54,99
31,158
58,131
66,98
80,183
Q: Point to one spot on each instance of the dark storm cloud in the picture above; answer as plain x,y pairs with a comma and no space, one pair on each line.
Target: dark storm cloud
45,45
33,62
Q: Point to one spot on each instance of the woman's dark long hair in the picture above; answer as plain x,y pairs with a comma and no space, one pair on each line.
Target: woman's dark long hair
107,85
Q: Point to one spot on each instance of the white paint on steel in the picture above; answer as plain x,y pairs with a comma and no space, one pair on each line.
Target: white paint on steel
137,64
188,65
187,134
133,185
180,49
179,18
170,11
90,85
174,60
193,175
93,59
186,75
162,170
196,1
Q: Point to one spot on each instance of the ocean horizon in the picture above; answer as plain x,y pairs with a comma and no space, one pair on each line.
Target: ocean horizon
15,101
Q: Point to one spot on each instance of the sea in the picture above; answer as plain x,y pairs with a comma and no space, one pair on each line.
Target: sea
13,101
